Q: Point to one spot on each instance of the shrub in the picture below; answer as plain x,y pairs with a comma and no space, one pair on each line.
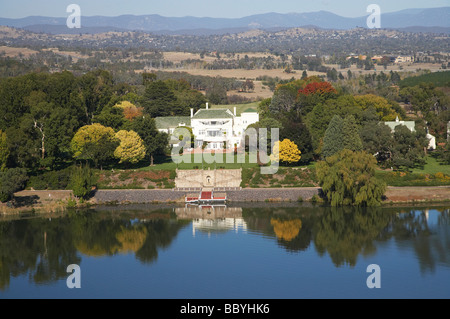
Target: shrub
53,180
82,181
11,181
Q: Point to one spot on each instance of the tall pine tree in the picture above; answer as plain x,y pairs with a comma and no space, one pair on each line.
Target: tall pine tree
351,138
333,140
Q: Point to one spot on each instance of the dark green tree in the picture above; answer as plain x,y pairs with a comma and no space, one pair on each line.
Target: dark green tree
111,117
409,148
333,141
4,151
216,93
159,101
12,181
350,131
156,143
82,181
296,130
377,139
148,78
96,92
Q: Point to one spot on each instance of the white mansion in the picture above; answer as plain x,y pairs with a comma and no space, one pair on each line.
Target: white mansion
411,125
215,128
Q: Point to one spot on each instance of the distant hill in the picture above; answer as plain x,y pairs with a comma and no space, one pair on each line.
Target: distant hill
417,29
62,29
417,18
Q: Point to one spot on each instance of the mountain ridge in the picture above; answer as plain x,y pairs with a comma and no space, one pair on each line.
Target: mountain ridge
426,18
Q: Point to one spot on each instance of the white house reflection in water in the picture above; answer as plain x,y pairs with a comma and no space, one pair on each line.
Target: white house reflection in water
213,219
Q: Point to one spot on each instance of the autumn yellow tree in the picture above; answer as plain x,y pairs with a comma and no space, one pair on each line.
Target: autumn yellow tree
385,109
131,148
130,111
94,142
286,152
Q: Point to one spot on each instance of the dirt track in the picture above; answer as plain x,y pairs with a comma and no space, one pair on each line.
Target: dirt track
418,194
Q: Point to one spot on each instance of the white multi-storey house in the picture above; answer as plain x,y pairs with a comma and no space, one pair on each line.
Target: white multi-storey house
411,125
214,129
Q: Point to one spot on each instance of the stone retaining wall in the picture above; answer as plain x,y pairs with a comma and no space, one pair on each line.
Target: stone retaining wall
272,194
138,196
244,195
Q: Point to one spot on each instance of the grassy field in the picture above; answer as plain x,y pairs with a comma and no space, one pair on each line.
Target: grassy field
432,174
433,166
168,164
286,177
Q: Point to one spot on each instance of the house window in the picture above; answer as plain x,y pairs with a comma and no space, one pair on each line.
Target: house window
213,133
201,132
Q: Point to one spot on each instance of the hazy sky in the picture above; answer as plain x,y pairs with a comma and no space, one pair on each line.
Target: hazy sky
204,8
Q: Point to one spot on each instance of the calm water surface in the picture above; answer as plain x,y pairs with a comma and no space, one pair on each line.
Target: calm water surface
266,252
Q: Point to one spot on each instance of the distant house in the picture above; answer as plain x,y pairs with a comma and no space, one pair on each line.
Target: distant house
377,58
403,59
411,125
215,129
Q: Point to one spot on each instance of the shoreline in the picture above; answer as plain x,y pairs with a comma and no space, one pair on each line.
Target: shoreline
56,201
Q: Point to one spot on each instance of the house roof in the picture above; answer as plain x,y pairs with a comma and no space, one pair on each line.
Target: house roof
163,123
250,110
213,114
411,125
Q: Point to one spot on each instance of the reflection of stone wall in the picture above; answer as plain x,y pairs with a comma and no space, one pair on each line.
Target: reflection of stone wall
208,178
208,212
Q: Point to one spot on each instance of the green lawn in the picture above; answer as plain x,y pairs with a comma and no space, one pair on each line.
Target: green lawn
432,174
432,167
168,164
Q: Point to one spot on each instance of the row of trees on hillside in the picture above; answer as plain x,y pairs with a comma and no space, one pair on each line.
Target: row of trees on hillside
346,134
51,121
41,113
323,121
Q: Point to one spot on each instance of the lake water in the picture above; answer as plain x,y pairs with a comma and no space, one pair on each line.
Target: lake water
255,252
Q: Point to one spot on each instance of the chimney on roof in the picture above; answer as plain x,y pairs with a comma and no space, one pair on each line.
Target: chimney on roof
192,113
235,113
207,106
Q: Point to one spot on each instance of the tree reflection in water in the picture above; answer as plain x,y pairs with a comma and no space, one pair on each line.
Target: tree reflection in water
43,247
